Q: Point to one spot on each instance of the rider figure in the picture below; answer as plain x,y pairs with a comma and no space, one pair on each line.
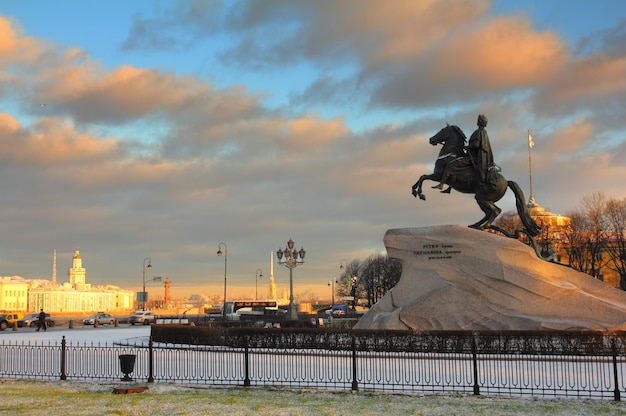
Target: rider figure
479,154
479,149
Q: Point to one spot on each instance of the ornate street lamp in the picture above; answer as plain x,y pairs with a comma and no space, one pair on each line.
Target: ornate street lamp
291,261
341,262
219,253
259,273
144,295
351,280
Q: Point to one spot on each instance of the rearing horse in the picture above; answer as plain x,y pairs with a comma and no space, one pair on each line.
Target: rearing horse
453,140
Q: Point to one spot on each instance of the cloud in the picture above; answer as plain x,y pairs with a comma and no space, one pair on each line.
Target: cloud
127,93
15,48
385,34
589,79
51,143
475,62
612,40
174,25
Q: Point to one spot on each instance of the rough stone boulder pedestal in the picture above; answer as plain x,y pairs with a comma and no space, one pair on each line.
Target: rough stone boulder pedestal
458,278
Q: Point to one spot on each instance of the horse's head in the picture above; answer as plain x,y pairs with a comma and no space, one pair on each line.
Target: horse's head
441,136
451,135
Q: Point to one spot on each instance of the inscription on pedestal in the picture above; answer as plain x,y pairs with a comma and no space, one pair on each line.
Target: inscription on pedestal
437,251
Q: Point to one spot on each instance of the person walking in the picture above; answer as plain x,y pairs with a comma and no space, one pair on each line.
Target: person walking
42,321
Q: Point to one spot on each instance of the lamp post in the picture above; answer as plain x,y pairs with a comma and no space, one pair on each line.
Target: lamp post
353,283
259,273
291,261
143,293
351,280
331,283
219,253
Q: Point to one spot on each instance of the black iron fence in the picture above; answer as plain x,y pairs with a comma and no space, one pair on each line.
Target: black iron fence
564,364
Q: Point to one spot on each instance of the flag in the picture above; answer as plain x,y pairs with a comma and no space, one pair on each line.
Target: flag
531,143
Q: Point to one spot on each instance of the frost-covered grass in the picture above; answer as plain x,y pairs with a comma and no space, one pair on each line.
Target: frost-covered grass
25,397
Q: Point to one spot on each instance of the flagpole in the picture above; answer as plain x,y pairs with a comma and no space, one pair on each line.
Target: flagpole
531,198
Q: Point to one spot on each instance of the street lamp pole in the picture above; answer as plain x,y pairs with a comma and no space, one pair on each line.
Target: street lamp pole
344,271
219,253
291,261
351,280
143,293
259,273
331,283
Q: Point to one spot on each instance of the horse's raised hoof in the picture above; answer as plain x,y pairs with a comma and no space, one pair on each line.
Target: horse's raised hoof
414,192
422,197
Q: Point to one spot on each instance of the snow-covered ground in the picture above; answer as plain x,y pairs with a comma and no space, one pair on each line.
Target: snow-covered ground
79,333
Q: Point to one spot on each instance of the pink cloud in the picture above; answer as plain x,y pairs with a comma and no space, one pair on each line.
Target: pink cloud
51,142
392,32
125,93
502,53
315,131
13,47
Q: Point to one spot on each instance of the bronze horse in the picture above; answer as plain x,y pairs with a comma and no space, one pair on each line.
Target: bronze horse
453,140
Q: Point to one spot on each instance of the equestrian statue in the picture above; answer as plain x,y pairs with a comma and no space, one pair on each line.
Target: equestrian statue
470,169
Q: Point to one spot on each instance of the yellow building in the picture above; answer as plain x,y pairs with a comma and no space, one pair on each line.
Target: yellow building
553,227
13,294
75,296
64,299
552,241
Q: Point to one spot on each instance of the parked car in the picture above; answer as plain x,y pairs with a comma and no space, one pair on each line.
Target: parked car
338,313
13,317
32,319
4,324
142,317
101,317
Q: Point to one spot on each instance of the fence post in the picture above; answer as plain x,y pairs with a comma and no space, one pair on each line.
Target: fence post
475,367
63,351
616,393
150,360
246,381
355,383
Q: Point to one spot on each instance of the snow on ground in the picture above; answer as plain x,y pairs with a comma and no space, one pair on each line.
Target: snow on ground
79,334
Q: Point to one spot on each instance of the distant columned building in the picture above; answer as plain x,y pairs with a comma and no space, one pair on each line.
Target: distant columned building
544,217
550,241
77,295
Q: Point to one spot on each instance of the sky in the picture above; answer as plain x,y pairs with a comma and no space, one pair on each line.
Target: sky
160,129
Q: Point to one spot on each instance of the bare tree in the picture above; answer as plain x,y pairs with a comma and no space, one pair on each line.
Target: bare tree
379,274
574,236
370,279
509,221
586,235
615,210
348,280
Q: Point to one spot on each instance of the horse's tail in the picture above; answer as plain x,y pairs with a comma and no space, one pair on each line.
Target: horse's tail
529,223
